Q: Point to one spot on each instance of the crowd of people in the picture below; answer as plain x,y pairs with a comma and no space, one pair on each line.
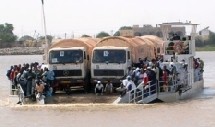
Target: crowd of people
156,73
35,80
38,81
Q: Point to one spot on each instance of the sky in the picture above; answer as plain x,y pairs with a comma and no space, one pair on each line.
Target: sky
78,17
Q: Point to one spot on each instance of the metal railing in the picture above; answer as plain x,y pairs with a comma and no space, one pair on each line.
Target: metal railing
13,89
170,86
167,88
17,91
142,92
145,91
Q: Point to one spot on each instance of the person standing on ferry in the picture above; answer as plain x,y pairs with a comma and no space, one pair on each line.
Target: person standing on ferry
50,77
129,71
165,78
29,76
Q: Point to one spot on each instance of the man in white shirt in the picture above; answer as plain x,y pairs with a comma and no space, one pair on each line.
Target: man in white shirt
99,88
130,86
127,85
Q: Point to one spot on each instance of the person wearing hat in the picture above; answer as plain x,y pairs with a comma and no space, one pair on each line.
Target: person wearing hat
137,75
99,88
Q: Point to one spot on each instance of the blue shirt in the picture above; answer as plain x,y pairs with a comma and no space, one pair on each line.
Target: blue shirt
50,75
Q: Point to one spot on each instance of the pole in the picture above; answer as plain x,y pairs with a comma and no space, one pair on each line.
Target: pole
46,41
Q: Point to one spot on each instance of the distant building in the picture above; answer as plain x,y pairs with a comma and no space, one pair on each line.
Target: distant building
126,33
150,30
204,33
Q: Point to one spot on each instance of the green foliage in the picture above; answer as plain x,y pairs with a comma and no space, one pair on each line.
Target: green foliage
102,34
85,35
6,33
199,41
125,28
208,44
137,34
117,33
211,39
26,37
49,38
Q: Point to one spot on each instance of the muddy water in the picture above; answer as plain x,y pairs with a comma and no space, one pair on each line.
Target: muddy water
196,112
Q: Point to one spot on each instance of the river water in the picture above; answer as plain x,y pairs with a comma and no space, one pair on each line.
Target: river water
195,112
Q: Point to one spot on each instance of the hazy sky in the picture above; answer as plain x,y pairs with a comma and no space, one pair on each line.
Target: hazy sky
92,16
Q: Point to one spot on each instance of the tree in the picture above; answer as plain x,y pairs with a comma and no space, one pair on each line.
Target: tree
145,33
102,34
159,34
6,33
211,39
117,33
49,38
152,33
137,34
26,37
199,41
125,28
85,35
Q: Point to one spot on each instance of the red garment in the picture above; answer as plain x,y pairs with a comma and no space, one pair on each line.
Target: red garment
145,78
13,74
165,76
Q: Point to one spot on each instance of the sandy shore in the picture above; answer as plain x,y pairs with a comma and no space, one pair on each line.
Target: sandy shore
21,51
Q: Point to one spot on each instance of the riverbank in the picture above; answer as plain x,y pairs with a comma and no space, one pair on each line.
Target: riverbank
206,48
21,51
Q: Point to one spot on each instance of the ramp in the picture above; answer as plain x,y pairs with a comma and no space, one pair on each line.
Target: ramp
148,99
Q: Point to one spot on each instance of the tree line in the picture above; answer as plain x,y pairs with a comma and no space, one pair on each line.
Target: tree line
210,40
6,33
7,36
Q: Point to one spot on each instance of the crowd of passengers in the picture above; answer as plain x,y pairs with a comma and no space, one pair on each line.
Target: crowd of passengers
155,72
34,80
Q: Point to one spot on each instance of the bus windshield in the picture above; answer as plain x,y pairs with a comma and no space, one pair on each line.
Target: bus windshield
109,56
66,56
